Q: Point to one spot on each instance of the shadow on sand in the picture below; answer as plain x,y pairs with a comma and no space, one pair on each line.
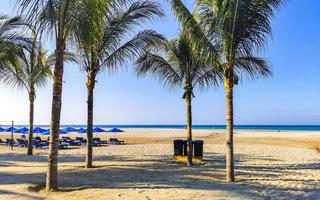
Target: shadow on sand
159,173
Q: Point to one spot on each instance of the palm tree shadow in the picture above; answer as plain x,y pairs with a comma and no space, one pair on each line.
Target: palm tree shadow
17,194
161,172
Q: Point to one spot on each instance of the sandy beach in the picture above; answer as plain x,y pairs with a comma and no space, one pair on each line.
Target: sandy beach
269,165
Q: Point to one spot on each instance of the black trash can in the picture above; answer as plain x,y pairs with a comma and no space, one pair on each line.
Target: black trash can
198,148
178,147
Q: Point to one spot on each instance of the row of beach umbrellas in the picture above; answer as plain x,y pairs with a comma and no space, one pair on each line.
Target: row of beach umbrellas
42,131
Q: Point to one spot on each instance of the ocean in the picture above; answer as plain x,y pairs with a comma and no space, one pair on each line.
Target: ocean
217,127
203,127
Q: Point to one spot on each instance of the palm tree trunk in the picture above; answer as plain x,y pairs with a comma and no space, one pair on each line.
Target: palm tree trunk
90,88
52,173
31,114
229,117
189,129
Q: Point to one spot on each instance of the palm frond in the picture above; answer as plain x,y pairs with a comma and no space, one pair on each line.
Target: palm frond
31,69
242,28
11,34
116,41
121,23
197,35
158,67
133,48
254,67
179,64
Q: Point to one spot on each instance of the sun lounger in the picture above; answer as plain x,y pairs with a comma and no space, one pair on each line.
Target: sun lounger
66,138
96,142
63,145
75,143
21,143
37,144
115,141
71,142
100,141
81,140
3,143
10,142
40,144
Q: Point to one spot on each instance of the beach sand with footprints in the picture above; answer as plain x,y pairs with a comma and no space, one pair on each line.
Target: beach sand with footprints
269,165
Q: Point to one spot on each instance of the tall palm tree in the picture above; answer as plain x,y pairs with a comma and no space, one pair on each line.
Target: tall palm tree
180,64
114,44
64,20
241,29
34,71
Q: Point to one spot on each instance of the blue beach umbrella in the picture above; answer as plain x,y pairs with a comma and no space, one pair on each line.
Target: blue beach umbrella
39,130
2,129
115,130
95,130
82,130
8,130
23,130
47,132
70,129
62,132
98,130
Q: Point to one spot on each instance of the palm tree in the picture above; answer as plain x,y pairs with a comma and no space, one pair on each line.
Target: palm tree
114,44
180,64
64,20
34,71
241,29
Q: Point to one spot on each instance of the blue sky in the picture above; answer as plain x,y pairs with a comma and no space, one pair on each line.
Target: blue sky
291,96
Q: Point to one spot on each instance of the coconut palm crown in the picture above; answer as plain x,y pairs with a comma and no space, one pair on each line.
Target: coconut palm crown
33,71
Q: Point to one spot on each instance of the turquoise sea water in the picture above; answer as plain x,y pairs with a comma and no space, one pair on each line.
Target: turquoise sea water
217,127
207,127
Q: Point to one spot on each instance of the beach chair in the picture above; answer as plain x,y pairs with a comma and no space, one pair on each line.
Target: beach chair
66,139
37,144
44,143
70,141
75,143
3,143
40,144
21,143
96,142
10,142
63,145
115,141
81,140
100,141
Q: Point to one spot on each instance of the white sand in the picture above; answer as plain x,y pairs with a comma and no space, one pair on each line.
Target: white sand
146,171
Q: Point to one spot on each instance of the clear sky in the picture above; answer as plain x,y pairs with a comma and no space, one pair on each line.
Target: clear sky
291,96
